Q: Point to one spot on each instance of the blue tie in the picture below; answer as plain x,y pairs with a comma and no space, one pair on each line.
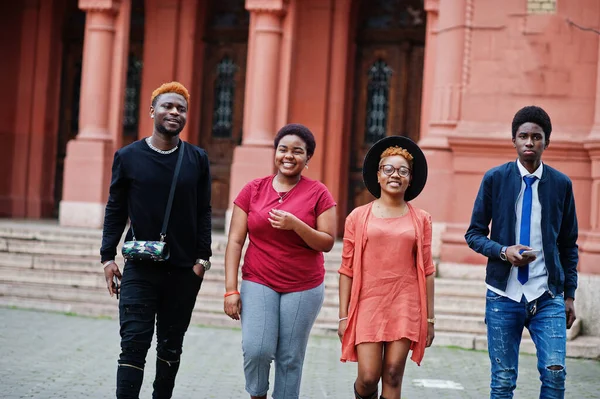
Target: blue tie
523,274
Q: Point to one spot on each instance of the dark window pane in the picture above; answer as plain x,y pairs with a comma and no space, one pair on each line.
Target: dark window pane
133,83
223,101
378,91
390,14
229,14
76,93
132,95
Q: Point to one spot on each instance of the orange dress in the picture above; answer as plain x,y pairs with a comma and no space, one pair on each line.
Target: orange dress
356,240
389,307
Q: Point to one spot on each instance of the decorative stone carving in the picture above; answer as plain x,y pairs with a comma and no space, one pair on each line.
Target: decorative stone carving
466,70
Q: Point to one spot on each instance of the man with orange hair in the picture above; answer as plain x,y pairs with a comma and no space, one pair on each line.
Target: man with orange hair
149,178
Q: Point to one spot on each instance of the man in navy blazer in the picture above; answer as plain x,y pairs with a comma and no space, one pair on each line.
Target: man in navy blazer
531,273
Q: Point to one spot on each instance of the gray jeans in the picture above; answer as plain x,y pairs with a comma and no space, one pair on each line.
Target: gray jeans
276,327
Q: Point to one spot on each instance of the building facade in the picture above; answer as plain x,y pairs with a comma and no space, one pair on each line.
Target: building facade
448,73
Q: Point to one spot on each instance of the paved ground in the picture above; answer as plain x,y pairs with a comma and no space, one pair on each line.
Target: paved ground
47,355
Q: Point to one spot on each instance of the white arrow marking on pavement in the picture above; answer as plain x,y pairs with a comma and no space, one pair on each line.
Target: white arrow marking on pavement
443,384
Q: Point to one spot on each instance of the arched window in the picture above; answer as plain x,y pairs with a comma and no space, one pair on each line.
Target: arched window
378,93
224,93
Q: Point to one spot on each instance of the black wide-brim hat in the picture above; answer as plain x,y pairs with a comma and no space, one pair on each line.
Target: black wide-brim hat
419,167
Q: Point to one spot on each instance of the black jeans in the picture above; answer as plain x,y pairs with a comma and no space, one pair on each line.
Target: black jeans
152,291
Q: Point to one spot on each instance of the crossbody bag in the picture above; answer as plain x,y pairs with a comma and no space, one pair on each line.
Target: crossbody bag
157,251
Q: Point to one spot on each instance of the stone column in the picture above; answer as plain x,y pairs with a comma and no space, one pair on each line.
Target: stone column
263,71
89,156
587,297
432,8
163,41
336,145
442,84
98,45
590,247
449,42
254,158
441,89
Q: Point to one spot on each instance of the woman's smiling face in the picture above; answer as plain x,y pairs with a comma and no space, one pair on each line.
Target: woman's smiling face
291,156
394,184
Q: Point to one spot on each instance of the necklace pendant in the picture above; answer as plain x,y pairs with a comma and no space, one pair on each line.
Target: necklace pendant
281,200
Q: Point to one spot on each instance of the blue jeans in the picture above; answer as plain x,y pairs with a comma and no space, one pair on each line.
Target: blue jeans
546,321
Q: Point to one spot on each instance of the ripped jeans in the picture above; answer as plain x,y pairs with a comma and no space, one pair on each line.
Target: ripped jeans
545,319
153,292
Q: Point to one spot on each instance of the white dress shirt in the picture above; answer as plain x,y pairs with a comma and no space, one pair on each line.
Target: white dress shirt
538,275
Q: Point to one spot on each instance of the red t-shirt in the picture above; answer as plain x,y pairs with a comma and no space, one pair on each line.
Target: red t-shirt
280,259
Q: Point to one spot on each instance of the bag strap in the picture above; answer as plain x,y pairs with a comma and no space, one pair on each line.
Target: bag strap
163,230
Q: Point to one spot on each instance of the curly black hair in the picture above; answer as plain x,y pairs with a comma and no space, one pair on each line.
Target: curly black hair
301,131
535,115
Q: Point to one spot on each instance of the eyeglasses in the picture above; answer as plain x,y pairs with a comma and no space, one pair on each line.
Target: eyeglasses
389,170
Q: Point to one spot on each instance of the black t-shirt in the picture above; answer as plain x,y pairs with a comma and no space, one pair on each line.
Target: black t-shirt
139,190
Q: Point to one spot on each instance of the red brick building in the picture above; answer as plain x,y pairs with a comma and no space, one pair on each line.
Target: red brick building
77,78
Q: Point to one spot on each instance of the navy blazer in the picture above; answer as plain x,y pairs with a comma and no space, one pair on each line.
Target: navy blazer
496,202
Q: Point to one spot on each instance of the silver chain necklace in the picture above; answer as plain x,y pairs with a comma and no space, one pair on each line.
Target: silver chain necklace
167,152
282,195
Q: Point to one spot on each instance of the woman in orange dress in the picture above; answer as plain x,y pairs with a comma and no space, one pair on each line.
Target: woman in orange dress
387,272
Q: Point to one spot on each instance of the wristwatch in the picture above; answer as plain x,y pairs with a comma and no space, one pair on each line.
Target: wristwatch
503,254
205,264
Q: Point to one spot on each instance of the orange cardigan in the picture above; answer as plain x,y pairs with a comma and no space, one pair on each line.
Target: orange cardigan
355,239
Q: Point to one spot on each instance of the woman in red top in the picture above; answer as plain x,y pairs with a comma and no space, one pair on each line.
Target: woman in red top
386,277
290,221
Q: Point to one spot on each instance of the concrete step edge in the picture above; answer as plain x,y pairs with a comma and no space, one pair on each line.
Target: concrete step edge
461,271
582,346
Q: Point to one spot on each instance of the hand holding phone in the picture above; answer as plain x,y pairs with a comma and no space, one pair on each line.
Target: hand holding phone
116,285
521,255
531,252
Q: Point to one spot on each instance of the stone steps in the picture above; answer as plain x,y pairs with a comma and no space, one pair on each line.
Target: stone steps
68,288
43,266
20,268
97,303
21,233
87,249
